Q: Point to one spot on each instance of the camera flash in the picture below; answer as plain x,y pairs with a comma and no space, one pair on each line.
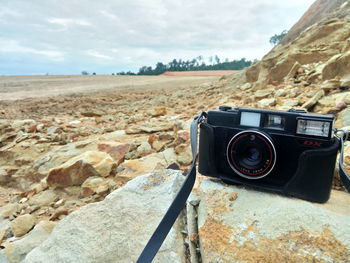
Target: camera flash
314,128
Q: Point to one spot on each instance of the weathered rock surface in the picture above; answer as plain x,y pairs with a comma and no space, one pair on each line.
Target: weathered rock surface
15,252
240,225
117,229
79,168
22,224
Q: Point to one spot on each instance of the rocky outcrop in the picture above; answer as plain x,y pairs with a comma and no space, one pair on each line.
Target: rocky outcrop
242,225
225,223
117,229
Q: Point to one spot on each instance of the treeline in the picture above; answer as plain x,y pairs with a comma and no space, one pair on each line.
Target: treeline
191,65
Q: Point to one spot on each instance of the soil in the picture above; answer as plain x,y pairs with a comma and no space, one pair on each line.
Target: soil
22,87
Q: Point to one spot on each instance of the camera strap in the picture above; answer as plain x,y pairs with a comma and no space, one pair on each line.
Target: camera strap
177,205
345,178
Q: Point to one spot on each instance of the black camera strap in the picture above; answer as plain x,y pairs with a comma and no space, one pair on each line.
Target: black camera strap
177,205
345,178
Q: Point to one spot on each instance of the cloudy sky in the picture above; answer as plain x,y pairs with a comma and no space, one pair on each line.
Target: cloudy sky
66,37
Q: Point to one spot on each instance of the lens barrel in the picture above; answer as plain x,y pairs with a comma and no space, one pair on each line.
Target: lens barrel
251,154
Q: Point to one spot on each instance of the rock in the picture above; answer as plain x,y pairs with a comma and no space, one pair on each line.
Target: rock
293,71
158,145
111,230
280,93
92,113
44,198
338,65
8,210
134,168
144,149
15,252
79,168
264,103
311,102
94,185
22,224
343,118
330,84
290,103
184,135
246,86
184,154
345,82
116,150
260,94
158,111
235,227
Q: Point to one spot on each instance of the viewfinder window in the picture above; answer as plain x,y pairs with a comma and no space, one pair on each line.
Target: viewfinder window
251,119
274,122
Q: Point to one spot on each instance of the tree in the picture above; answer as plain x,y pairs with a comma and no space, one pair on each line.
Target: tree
274,40
84,72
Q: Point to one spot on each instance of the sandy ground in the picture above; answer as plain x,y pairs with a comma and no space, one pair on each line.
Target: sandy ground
22,87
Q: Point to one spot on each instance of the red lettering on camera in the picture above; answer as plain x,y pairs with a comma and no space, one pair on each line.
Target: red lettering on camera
313,143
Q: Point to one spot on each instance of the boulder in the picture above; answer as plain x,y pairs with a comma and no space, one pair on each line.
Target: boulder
293,71
8,210
343,118
44,198
118,228
76,170
22,224
331,84
312,101
260,94
147,164
158,111
236,224
15,252
264,103
116,150
338,65
94,185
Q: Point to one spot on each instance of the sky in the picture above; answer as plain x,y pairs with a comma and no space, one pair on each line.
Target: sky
105,36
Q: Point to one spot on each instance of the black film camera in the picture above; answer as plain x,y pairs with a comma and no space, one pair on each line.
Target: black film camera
290,152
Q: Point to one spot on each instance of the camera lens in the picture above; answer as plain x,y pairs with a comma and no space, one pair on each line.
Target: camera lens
251,154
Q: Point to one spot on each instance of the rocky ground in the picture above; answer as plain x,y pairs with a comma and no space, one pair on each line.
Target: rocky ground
59,154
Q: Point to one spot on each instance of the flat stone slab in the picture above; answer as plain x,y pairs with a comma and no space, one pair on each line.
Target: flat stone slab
240,225
118,228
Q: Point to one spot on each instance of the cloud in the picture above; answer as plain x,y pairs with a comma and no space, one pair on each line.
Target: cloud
13,46
125,35
68,21
97,54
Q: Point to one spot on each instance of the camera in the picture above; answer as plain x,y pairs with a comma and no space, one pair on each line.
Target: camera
289,152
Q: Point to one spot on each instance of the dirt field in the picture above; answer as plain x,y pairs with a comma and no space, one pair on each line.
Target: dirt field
21,87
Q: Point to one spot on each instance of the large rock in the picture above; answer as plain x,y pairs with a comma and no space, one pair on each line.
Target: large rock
343,118
240,225
22,224
147,164
117,229
338,65
15,252
79,168
115,149
44,198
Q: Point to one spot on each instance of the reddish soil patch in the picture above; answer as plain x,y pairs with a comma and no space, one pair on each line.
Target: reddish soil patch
199,73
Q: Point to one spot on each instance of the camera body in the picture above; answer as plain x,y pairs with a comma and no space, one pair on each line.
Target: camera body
289,152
